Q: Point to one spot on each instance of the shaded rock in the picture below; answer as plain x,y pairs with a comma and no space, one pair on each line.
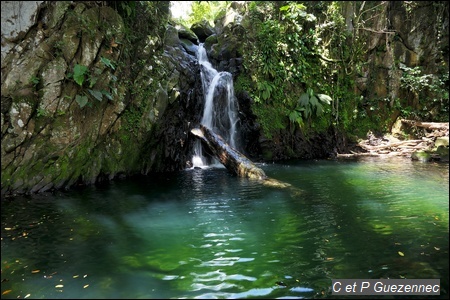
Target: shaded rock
202,30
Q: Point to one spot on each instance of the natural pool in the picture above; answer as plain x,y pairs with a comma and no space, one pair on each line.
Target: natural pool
204,233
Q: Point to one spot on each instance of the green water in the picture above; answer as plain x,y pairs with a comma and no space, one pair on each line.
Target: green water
204,233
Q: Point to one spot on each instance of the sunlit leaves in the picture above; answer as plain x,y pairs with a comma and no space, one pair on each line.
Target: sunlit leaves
310,104
295,116
324,98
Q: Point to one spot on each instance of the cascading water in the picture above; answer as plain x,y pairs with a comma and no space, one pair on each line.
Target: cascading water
220,112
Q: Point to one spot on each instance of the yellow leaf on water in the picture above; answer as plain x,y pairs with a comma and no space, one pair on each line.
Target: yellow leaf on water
76,276
85,286
59,286
28,295
401,253
6,292
35,271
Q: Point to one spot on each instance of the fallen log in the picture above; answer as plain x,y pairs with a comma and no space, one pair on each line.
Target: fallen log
427,125
235,162
391,145
232,159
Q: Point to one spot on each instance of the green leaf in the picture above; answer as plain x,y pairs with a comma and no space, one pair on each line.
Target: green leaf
92,81
78,73
319,109
304,99
307,111
107,94
81,100
293,116
314,101
107,63
97,94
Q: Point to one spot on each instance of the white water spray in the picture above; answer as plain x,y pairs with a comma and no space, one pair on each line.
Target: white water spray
219,113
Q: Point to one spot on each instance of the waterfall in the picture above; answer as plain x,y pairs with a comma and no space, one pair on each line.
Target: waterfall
220,109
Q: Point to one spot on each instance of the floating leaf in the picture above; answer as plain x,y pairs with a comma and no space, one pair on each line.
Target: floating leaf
6,292
85,286
401,253
35,271
59,286
27,295
76,276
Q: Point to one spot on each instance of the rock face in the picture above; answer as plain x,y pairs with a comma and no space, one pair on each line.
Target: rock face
83,101
405,35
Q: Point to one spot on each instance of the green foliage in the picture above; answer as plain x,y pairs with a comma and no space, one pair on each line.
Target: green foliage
431,91
82,100
79,72
265,89
128,8
309,105
41,112
295,116
207,10
281,59
107,62
413,80
82,75
295,47
35,81
271,117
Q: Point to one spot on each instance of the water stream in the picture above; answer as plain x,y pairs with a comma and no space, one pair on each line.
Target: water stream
220,109
204,233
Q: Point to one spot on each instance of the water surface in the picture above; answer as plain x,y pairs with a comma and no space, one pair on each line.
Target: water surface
204,233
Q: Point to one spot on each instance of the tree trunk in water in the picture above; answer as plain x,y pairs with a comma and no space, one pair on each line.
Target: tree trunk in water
237,162
232,159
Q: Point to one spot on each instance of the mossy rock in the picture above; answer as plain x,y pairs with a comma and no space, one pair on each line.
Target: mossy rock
421,156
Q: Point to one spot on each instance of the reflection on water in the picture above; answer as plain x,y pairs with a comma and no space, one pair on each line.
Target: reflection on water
204,233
